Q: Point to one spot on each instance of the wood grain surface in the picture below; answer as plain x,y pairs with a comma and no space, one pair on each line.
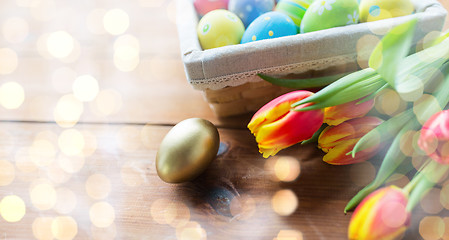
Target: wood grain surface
85,169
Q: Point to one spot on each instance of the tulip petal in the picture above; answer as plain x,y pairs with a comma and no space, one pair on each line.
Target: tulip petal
381,215
337,114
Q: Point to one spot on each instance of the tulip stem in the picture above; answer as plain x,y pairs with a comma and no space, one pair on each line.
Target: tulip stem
390,163
424,181
302,83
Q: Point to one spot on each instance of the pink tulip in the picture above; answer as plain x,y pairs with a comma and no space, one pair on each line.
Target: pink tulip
339,140
277,126
381,215
434,138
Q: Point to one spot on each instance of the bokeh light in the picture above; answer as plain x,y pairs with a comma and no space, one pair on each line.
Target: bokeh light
7,173
132,175
42,228
289,235
60,44
71,142
108,233
98,186
64,228
242,207
43,196
90,143
284,202
389,102
42,152
430,203
116,21
444,196
126,58
107,102
102,214
23,161
71,164
15,29
287,169
362,173
8,61
85,88
425,107
397,179
177,214
57,175
365,45
191,231
431,227
12,208
157,210
66,201
393,214
406,143
68,111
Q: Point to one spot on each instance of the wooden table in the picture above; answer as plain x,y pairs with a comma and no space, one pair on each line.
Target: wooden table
88,91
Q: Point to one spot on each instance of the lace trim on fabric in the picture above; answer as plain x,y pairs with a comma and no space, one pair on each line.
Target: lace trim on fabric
237,79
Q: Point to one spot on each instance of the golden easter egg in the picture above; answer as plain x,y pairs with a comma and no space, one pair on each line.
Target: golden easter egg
187,150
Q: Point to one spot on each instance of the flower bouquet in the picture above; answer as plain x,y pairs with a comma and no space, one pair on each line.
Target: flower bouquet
340,118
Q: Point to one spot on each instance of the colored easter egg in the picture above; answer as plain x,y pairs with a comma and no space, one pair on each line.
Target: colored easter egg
373,10
269,25
295,9
248,10
324,14
219,28
204,6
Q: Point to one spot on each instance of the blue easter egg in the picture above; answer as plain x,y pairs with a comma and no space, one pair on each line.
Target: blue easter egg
248,10
269,25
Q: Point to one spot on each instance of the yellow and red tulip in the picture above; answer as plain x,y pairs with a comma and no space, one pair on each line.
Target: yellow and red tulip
434,138
277,126
381,215
340,113
337,141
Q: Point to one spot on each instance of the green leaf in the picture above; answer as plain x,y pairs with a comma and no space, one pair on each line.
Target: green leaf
338,85
303,82
390,51
351,93
391,161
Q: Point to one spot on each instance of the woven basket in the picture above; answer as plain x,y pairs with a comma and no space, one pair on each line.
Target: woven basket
227,76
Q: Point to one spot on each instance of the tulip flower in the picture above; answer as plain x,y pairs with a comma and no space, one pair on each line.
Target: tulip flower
339,140
381,215
337,114
277,126
434,138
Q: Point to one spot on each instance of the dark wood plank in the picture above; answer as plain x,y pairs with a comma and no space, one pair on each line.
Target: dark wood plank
233,199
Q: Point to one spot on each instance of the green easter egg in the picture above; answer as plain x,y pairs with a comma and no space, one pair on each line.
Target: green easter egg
324,14
295,9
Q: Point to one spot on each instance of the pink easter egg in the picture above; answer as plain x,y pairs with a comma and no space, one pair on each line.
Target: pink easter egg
205,6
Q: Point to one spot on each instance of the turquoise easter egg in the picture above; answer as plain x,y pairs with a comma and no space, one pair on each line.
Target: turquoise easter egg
248,10
324,14
219,28
295,9
269,25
